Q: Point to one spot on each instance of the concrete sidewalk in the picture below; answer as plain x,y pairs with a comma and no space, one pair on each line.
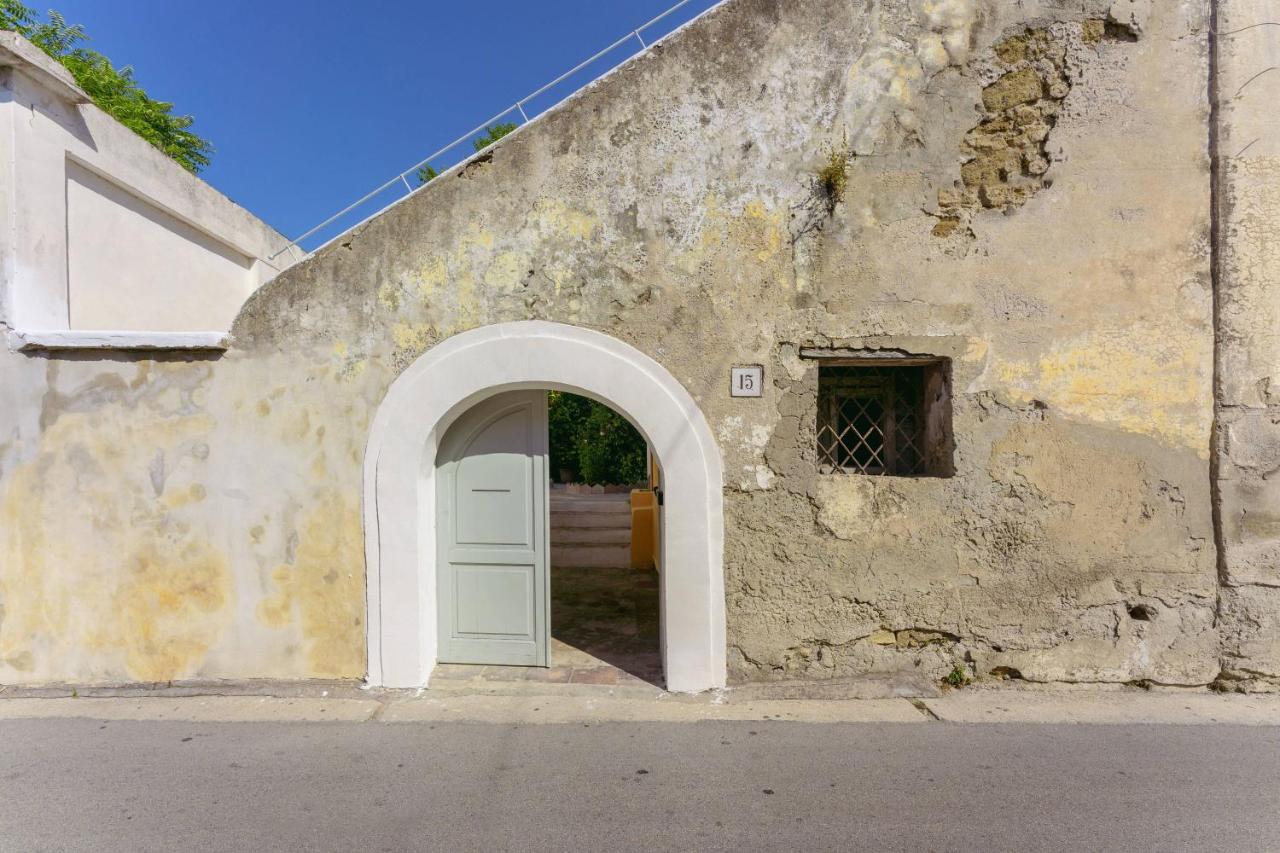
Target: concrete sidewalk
587,703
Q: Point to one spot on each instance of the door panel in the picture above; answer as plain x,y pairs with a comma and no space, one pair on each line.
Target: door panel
492,484
493,526
493,600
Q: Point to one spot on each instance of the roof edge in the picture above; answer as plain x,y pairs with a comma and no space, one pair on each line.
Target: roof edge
18,52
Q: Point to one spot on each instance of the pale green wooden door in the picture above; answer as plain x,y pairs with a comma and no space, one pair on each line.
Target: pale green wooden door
493,526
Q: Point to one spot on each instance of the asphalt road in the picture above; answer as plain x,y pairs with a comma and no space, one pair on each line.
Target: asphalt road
85,785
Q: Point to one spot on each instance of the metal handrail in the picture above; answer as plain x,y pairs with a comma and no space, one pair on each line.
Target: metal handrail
518,106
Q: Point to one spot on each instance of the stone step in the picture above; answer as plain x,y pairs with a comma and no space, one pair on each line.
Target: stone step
591,536
590,505
591,556
576,521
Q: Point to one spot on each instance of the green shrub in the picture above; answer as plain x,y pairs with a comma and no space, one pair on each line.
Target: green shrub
566,413
492,134
114,90
610,450
600,446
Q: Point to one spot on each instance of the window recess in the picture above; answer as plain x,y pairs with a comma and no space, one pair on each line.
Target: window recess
885,415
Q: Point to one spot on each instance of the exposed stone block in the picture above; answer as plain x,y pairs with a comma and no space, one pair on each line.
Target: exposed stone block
1017,87
1250,625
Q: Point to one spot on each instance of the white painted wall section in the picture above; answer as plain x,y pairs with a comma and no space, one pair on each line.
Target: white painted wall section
102,231
174,276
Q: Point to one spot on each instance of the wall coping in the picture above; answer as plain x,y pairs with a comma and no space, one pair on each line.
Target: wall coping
17,52
77,339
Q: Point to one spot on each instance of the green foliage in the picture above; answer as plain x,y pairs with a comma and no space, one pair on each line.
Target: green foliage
426,173
833,177
600,446
566,413
14,16
610,450
114,90
492,134
958,677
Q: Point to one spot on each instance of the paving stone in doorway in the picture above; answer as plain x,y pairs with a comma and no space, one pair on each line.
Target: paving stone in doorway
596,675
550,675
606,617
456,671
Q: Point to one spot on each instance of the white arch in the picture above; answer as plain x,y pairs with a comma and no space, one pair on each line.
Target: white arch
399,487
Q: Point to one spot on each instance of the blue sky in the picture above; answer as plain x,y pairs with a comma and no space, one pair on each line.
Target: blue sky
310,104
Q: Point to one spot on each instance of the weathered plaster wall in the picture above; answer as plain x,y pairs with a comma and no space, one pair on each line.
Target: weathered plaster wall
677,206
1248,437
156,527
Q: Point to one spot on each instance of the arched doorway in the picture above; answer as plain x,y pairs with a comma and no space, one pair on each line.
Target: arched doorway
400,487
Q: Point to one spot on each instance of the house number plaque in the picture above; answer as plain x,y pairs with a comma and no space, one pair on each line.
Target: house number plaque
746,381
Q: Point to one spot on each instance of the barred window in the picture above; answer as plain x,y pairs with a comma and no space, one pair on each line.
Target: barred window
884,417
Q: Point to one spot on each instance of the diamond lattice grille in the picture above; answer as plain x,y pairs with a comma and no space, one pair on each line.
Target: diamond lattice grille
870,420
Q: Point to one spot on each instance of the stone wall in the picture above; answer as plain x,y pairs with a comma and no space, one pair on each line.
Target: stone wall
1022,189
1248,278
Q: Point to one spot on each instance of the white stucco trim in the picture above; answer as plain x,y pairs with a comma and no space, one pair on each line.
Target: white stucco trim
17,52
64,339
399,487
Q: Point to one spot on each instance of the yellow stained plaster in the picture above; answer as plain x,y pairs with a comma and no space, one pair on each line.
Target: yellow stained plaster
433,275
977,349
180,497
389,297
559,274
506,271
556,216
415,336
98,573
347,365
758,229
470,269
354,369
1144,378
322,591
452,275
162,608
476,238
295,427
470,311
770,235
712,235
